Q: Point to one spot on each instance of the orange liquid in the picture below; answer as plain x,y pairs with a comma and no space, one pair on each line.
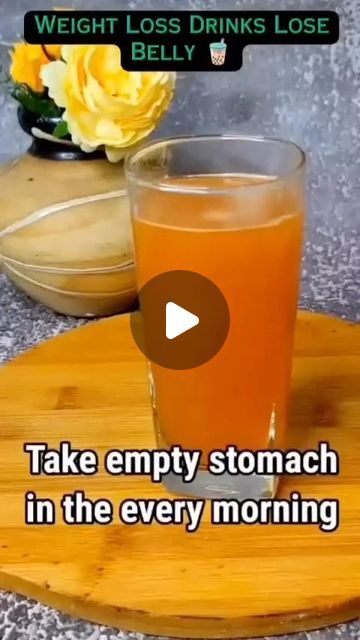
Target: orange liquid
248,243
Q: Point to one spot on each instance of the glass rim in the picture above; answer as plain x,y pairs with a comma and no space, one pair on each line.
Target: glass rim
133,175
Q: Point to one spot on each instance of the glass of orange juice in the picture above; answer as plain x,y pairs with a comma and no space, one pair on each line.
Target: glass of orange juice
230,208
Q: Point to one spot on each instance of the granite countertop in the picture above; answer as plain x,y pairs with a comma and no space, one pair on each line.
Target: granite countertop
308,94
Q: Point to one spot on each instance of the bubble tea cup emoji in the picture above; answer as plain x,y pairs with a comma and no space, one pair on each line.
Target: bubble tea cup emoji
218,52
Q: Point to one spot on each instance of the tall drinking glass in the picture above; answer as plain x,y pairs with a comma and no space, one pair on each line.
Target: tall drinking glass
230,208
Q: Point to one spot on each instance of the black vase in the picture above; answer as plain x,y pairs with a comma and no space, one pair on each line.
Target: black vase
61,149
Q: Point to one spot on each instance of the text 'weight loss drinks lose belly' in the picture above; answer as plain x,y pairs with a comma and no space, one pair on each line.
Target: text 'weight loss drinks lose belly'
247,241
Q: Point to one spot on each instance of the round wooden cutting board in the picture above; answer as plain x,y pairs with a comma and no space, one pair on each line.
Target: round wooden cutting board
89,387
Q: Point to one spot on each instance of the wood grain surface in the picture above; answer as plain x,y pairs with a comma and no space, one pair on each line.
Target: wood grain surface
89,387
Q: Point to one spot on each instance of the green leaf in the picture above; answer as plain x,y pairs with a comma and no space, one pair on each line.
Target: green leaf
38,103
61,130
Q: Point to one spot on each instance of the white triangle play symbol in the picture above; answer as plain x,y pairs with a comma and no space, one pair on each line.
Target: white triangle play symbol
178,320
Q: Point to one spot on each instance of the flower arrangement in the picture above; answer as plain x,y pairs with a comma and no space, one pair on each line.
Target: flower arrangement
98,104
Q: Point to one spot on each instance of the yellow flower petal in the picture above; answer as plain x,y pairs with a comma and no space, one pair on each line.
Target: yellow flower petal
27,62
53,75
104,104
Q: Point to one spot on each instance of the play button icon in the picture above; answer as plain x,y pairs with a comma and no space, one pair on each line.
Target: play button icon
183,320
178,320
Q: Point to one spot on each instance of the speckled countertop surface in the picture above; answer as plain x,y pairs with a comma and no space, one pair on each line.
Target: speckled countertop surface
308,94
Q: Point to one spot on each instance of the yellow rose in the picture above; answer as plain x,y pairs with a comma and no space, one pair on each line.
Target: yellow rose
104,104
27,61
